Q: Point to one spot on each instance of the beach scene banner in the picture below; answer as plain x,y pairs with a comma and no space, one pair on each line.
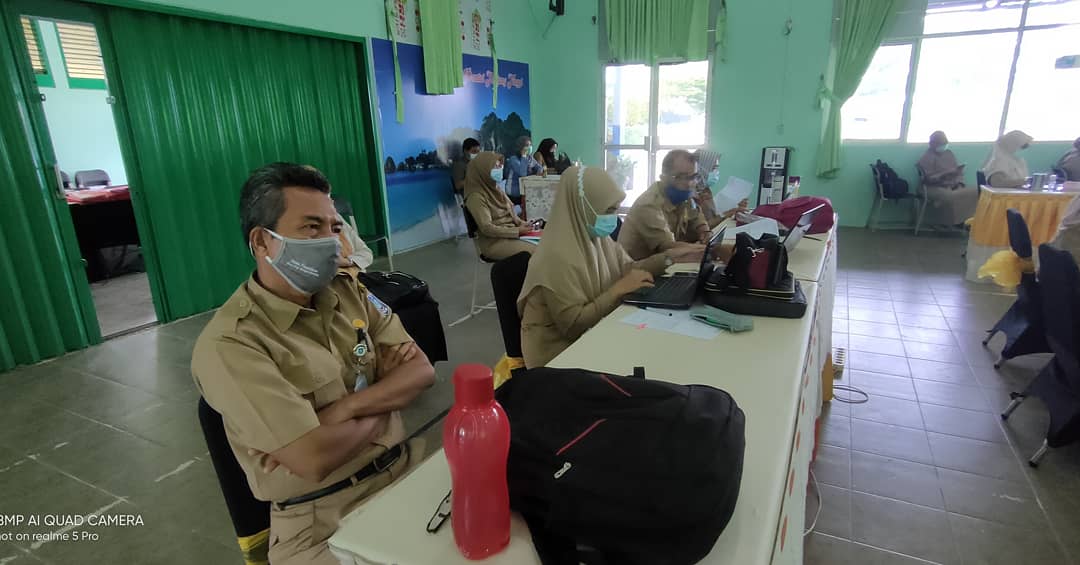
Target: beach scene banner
416,155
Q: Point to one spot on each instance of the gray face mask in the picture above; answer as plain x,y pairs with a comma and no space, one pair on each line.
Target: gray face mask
308,265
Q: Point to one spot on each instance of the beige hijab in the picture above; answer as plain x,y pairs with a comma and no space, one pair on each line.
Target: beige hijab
1003,158
478,180
570,261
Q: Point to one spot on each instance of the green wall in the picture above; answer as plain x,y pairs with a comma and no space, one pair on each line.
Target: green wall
80,120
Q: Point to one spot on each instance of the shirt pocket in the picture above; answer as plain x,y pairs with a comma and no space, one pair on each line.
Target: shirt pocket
317,377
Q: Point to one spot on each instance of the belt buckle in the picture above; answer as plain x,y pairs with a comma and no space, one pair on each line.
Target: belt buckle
394,453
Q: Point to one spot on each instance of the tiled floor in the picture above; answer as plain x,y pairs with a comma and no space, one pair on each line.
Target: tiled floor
123,303
924,471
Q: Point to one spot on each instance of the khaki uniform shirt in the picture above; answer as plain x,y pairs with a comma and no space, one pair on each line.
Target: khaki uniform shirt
654,224
493,223
268,365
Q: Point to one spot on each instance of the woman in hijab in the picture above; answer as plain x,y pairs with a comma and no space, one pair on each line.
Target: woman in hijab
1003,169
1068,234
709,177
498,227
949,202
547,154
1070,162
579,274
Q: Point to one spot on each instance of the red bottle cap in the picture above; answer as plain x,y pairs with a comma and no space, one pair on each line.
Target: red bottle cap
473,384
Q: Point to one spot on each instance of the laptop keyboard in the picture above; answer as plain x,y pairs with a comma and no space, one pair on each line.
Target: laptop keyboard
671,289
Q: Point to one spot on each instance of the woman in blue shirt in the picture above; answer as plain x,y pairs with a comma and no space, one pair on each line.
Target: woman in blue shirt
521,164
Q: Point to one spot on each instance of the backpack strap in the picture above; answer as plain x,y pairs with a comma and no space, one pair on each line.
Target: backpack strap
639,373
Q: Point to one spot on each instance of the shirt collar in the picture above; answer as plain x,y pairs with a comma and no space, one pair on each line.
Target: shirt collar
283,312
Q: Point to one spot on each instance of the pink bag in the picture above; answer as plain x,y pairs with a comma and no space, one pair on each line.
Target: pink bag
788,212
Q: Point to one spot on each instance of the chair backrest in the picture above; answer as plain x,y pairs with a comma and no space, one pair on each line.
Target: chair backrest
618,228
250,516
507,278
980,178
1062,174
95,177
1059,282
877,180
470,222
65,179
1019,237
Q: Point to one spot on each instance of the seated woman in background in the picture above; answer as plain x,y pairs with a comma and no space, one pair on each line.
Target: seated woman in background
579,274
548,154
949,202
709,177
1003,168
520,165
1068,234
498,228
1070,162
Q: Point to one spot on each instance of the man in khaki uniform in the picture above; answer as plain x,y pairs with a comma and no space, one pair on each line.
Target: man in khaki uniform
308,369
665,217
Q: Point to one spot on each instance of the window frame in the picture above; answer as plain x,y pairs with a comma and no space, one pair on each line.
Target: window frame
649,143
916,52
79,82
46,80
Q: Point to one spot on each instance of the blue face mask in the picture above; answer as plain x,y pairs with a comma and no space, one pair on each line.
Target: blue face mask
604,224
675,195
713,179
942,148
497,174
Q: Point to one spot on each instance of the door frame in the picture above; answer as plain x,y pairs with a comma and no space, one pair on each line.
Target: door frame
42,141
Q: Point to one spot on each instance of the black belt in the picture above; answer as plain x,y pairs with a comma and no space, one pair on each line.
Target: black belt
380,464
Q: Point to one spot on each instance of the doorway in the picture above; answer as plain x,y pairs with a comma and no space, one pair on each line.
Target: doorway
72,84
648,111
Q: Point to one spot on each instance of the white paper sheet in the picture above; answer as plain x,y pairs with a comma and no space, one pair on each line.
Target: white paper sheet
733,192
756,229
678,322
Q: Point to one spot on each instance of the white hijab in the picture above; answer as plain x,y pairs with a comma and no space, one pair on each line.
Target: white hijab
1003,157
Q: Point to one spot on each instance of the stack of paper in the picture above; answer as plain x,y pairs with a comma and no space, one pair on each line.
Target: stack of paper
735,191
671,321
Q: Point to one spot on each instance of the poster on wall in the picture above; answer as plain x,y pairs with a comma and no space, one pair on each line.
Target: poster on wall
474,18
417,154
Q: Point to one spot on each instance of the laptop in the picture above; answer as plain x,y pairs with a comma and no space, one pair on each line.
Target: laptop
678,290
801,227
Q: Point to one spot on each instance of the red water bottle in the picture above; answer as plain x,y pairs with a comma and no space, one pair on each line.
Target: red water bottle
476,439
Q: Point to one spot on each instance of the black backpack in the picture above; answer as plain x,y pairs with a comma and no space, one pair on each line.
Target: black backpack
891,184
619,470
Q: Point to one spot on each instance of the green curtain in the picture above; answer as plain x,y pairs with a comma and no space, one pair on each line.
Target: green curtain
862,25
399,97
42,316
207,103
648,31
440,35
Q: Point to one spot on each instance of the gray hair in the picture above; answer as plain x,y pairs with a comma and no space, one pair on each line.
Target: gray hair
668,164
262,200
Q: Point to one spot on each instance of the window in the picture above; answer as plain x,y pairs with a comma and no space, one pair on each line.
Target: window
648,111
975,70
38,60
960,86
876,109
82,55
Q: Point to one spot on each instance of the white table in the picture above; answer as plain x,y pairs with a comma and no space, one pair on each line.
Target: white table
774,374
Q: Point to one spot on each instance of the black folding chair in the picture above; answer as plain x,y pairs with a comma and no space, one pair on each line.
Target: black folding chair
250,516
1022,324
507,278
1058,383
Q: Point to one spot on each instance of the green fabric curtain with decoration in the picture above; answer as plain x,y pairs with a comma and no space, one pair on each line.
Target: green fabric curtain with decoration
440,35
648,31
209,102
862,25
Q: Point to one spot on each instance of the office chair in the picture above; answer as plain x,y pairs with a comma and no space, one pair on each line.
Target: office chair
1022,323
65,179
1058,383
250,517
471,229
92,178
